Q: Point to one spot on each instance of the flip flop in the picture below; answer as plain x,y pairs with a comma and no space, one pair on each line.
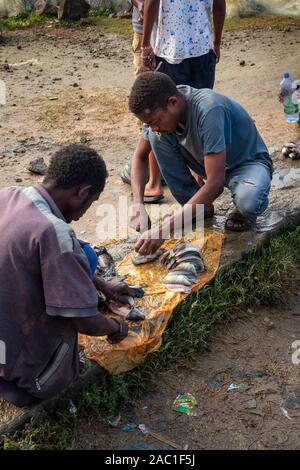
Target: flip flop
236,216
153,199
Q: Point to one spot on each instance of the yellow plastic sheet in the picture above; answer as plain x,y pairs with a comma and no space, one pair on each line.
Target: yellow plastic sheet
157,304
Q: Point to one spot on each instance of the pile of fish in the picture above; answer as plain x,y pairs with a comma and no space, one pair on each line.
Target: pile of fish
128,311
185,263
291,150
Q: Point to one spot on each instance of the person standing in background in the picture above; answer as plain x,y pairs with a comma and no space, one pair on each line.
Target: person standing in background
153,189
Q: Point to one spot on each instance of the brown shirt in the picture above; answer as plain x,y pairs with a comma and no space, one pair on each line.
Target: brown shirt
45,281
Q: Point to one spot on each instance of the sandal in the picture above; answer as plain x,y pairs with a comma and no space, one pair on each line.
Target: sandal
236,217
153,199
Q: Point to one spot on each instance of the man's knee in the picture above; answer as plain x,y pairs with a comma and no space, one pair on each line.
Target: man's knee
250,200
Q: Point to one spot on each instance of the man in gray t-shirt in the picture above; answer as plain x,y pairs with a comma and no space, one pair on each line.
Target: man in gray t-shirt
203,131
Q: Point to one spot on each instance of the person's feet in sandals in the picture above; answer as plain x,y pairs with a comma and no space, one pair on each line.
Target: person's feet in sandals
236,222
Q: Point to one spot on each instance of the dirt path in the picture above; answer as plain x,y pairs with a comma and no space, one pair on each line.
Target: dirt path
76,89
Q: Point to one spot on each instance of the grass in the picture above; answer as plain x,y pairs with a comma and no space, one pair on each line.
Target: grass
259,279
25,20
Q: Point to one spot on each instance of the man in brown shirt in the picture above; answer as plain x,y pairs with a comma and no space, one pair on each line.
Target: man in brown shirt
47,290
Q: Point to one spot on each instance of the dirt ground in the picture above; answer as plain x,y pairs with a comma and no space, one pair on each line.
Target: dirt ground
255,352
74,89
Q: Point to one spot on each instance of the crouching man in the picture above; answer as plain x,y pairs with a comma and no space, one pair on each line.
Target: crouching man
47,284
203,131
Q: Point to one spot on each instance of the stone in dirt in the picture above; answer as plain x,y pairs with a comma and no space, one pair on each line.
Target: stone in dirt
73,10
37,166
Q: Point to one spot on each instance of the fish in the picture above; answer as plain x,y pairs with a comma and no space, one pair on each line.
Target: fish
138,259
135,315
186,267
125,311
178,288
138,291
173,278
106,264
184,263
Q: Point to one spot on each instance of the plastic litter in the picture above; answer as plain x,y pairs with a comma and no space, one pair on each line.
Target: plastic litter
240,387
185,404
128,427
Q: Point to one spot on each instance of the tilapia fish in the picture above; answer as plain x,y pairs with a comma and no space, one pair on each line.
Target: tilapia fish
106,264
126,311
138,259
185,263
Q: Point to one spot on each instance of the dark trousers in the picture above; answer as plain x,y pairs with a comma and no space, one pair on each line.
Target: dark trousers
197,72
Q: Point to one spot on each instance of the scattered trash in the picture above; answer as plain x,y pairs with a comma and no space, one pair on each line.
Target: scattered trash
114,422
185,404
82,232
284,411
143,428
160,438
72,408
128,427
240,387
37,166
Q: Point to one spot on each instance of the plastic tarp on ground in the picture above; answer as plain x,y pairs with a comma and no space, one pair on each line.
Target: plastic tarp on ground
157,304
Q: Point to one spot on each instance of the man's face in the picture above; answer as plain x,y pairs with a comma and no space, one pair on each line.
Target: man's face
79,204
163,120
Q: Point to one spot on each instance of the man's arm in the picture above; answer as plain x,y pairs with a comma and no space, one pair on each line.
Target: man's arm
139,177
98,325
215,171
150,14
219,13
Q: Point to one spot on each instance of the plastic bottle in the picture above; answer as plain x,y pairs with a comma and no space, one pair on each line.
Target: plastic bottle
290,99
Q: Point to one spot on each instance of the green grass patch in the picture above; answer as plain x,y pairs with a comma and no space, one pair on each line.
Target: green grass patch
25,20
259,279
261,22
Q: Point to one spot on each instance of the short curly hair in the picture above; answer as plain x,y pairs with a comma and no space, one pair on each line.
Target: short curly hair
151,90
77,164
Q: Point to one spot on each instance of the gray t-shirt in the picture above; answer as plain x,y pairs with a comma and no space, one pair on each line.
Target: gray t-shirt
215,123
